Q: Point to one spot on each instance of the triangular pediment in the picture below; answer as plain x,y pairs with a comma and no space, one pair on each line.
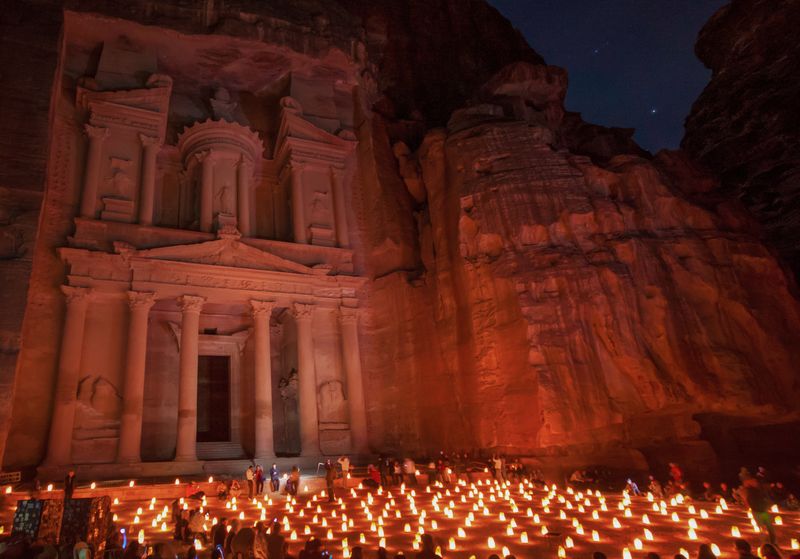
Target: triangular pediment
228,252
295,126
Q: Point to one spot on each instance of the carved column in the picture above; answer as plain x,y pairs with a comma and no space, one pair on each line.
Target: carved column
340,209
147,191
264,447
244,174
130,430
59,447
351,357
298,209
206,190
186,448
91,177
307,381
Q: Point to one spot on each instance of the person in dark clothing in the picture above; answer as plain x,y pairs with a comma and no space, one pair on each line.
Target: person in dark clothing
69,485
743,549
275,478
383,467
428,550
276,544
259,480
330,477
756,498
219,532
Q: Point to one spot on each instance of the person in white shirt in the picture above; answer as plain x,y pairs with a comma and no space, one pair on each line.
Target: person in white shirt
344,461
250,475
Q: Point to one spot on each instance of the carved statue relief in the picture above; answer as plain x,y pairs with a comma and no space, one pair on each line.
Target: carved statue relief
321,208
223,107
224,199
287,386
120,183
99,406
331,402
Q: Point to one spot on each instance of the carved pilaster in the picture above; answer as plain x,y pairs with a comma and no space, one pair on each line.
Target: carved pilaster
307,381
244,178
130,434
59,448
263,378
91,177
207,161
186,446
150,146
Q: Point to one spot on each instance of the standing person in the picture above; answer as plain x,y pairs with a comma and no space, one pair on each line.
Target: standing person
219,532
756,498
410,471
428,550
397,473
675,473
344,461
330,477
497,462
383,466
275,478
69,485
259,480
294,477
250,475
276,544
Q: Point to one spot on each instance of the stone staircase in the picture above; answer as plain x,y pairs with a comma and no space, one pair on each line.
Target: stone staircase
220,451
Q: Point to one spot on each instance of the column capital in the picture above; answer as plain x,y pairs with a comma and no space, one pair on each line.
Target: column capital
245,162
191,303
349,315
303,311
204,156
141,299
76,295
95,132
149,141
260,308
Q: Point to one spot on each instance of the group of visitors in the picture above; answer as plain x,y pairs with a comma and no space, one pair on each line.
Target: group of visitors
256,477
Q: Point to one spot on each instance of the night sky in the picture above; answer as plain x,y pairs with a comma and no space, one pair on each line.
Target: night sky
631,63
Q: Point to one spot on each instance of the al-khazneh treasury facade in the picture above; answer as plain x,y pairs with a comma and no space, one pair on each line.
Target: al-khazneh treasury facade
211,302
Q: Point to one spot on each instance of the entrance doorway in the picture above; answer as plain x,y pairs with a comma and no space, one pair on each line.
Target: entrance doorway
214,398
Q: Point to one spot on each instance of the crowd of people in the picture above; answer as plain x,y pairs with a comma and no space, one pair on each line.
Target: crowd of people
229,538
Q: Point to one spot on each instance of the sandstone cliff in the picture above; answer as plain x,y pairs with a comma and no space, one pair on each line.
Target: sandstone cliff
578,309
744,126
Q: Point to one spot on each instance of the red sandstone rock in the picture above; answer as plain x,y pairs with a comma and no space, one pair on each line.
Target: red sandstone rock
744,125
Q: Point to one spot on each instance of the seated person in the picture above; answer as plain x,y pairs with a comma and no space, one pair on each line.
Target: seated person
235,489
222,490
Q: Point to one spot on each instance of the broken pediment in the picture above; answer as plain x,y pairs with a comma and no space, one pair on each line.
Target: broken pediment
227,251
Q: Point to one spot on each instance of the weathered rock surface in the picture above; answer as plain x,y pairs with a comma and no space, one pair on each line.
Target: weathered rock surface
744,126
588,308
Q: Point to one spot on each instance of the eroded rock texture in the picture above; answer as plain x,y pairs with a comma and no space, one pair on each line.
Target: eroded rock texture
744,126
586,307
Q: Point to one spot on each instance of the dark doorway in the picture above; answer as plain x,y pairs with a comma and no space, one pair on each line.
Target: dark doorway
213,398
